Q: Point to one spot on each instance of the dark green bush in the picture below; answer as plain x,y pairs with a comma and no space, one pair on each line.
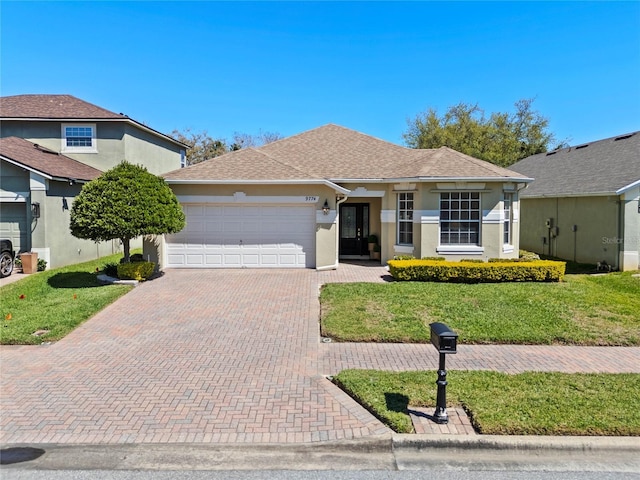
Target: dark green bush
42,265
110,269
472,272
135,271
136,257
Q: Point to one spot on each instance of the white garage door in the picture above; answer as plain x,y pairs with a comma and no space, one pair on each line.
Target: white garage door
235,236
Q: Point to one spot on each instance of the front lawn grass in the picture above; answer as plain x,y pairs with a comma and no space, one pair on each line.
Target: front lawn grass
582,310
56,300
531,403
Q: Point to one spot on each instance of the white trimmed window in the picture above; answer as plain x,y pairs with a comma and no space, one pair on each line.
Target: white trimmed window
507,213
80,138
405,218
460,218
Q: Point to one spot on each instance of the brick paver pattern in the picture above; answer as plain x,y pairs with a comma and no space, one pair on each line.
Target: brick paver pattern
225,356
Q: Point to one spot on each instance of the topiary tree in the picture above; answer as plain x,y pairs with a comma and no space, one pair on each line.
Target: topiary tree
125,202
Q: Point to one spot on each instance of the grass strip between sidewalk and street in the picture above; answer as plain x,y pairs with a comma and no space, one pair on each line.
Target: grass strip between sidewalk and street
54,301
582,310
531,403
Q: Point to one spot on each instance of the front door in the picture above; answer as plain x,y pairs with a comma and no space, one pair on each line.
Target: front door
354,229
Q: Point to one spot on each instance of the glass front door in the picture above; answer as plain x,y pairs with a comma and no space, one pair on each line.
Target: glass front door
354,229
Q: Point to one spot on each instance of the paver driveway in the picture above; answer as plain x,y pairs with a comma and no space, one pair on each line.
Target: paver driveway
194,356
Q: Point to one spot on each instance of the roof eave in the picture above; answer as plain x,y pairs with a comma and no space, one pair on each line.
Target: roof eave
626,188
131,121
433,179
26,167
328,183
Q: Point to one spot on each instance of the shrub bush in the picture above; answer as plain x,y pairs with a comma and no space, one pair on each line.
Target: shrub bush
404,257
136,257
528,256
472,272
42,265
135,271
435,259
110,269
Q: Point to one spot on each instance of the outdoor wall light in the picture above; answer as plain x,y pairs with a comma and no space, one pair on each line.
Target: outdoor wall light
35,210
325,208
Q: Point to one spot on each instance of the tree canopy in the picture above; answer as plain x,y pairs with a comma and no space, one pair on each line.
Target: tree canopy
203,147
125,202
503,138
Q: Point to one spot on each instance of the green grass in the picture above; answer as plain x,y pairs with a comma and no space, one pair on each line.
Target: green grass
57,300
582,310
501,404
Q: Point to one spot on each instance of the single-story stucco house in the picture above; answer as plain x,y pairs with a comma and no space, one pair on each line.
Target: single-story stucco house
584,204
314,198
50,145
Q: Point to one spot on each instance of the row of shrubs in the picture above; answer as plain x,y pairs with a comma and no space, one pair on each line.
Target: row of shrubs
477,272
136,269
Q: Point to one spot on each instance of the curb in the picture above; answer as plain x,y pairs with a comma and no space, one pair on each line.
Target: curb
518,443
107,279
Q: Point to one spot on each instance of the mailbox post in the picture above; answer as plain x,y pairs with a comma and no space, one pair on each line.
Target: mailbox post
446,341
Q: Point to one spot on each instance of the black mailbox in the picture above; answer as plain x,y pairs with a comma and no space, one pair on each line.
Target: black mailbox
443,338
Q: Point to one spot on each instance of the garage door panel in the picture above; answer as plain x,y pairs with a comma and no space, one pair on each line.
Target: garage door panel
235,236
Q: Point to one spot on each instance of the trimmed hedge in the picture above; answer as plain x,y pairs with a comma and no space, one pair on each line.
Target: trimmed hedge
135,271
472,272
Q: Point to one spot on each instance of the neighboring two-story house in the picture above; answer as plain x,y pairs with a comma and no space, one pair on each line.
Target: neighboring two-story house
49,146
584,204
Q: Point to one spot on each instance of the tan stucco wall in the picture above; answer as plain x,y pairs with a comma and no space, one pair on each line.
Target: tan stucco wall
326,230
381,220
597,220
426,227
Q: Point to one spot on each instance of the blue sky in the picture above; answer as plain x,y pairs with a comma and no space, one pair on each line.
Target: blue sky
288,67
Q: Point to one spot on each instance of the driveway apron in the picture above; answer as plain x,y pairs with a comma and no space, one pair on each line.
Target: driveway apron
193,356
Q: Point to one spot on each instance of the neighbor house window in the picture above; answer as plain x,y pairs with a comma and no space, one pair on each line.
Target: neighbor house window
460,218
183,159
79,138
405,219
507,211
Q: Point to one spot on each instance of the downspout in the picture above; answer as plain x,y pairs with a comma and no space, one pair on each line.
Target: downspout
335,265
620,239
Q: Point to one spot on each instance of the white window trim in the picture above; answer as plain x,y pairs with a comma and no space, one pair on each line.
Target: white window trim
398,221
461,247
94,143
506,220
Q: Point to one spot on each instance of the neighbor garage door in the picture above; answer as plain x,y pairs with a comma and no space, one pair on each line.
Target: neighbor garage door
13,224
235,236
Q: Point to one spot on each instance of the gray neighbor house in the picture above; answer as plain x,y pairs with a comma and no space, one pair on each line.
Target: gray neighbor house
49,146
584,202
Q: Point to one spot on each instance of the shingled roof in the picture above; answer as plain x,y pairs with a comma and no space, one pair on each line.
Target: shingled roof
603,167
64,108
53,107
44,161
335,153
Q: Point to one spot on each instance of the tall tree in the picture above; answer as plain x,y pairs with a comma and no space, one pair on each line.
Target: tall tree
201,146
125,202
503,138
246,140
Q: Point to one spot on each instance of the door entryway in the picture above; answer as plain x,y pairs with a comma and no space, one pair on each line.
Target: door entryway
354,230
